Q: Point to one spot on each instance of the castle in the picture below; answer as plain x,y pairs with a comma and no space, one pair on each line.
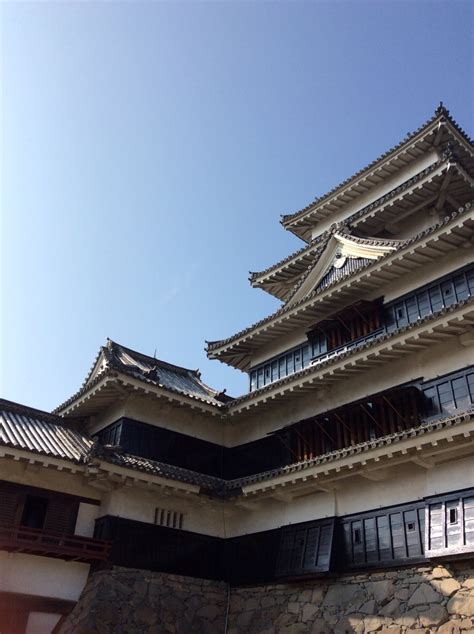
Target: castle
349,461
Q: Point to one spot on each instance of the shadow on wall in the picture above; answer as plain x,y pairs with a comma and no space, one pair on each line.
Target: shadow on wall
421,599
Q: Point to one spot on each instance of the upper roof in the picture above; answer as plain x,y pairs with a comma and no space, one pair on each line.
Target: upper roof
238,349
33,430
434,133
446,179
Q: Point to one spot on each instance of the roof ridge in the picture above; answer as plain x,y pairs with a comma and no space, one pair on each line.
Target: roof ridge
13,406
360,212
440,112
307,247
343,355
212,345
153,360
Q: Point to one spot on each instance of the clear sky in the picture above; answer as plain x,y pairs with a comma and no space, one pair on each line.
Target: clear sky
148,150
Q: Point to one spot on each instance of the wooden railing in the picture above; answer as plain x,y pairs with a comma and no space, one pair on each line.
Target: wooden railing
50,544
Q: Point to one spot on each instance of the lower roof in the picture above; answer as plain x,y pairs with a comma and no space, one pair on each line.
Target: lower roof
31,430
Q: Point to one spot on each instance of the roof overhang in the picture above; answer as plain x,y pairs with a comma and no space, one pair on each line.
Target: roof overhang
434,134
425,446
112,387
422,335
445,182
443,238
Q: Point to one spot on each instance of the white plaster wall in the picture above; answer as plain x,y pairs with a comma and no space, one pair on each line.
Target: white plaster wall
433,362
42,576
201,515
378,191
392,290
273,513
404,483
154,412
47,478
280,345
86,516
450,476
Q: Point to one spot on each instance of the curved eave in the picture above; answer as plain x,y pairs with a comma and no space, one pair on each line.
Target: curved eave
412,339
447,181
449,184
429,246
432,135
426,446
112,387
279,279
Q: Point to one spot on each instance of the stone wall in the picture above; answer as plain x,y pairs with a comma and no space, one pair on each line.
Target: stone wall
418,600
129,601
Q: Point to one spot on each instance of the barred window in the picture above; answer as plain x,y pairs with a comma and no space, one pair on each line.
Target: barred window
168,518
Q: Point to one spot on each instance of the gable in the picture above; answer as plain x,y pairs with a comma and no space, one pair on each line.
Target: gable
343,255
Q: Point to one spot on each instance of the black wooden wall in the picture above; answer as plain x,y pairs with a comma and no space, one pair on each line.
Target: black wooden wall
391,536
394,410
378,539
61,509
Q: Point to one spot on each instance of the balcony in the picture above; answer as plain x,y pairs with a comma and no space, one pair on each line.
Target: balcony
23,539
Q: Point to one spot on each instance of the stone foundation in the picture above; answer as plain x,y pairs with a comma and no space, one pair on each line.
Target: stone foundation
129,601
421,599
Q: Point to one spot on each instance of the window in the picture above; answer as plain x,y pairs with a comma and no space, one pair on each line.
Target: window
453,516
410,527
357,536
170,519
34,511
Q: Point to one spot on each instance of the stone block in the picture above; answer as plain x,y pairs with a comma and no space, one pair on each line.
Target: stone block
309,612
294,608
368,607
434,615
294,628
374,623
450,627
424,594
391,608
318,594
340,595
382,591
210,612
402,594
440,572
462,604
305,596
320,626
446,587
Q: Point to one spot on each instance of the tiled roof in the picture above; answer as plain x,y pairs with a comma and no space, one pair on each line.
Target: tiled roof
440,112
215,486
343,355
218,487
169,377
346,271
315,244
25,428
213,345
32,430
162,374
318,240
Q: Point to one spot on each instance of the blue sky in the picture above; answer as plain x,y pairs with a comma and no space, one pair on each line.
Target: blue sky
148,150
